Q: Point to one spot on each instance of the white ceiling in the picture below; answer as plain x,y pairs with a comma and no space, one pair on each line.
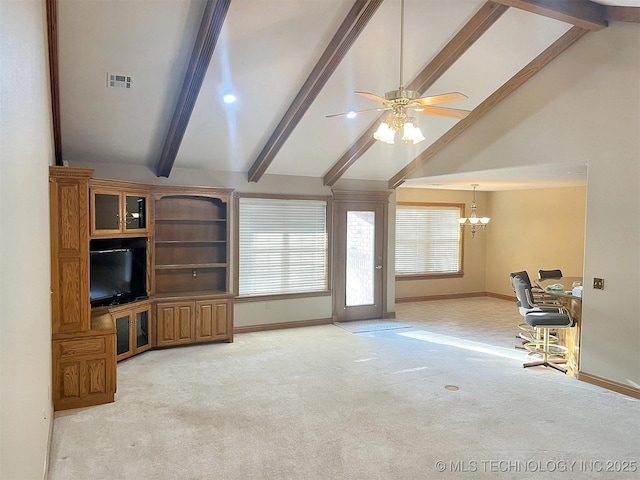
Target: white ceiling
266,50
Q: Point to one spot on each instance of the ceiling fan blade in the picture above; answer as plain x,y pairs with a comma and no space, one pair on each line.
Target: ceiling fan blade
445,97
373,97
380,109
442,111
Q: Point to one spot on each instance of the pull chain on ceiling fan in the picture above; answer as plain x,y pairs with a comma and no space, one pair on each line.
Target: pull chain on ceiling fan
402,102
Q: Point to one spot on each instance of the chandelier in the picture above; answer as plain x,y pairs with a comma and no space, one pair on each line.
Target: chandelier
474,222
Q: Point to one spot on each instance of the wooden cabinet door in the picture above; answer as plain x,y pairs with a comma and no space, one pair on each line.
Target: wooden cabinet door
212,320
175,323
222,324
106,217
123,322
84,371
141,330
115,212
69,212
205,320
134,212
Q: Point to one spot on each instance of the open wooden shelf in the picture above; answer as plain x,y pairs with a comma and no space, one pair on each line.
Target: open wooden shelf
191,242
192,266
191,220
191,251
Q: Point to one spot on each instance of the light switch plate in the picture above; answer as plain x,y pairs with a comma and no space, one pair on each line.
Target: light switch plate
598,283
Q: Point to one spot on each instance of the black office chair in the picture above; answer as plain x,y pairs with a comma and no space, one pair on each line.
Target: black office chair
542,318
544,274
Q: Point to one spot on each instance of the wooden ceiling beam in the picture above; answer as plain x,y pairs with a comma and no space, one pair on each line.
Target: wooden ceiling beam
212,20
54,82
580,13
361,12
468,34
623,14
555,49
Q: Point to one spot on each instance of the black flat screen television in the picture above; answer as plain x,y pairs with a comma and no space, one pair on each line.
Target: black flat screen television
118,271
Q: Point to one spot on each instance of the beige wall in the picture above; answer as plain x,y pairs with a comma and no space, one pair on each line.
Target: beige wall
532,230
474,249
25,310
611,326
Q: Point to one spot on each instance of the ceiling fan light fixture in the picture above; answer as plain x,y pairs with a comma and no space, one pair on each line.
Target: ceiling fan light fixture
401,102
384,133
412,133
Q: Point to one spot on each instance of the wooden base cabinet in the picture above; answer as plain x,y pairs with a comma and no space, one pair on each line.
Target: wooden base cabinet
213,320
133,328
189,321
175,323
84,371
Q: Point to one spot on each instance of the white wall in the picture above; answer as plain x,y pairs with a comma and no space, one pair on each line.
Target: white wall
583,107
25,311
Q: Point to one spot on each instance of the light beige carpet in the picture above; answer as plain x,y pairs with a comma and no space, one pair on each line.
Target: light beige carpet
322,403
364,326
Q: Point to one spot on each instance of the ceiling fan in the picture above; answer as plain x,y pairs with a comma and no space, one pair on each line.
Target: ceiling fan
401,103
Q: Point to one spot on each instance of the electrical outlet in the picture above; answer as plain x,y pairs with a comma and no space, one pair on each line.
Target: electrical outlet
598,283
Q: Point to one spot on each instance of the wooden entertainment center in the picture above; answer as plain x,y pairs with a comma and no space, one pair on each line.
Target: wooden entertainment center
185,231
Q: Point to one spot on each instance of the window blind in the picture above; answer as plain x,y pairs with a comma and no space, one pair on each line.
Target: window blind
428,240
282,246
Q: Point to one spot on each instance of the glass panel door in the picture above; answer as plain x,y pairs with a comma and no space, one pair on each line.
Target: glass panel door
358,267
360,275
142,329
106,215
135,212
123,336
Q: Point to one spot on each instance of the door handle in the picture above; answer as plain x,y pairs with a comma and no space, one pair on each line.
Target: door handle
379,267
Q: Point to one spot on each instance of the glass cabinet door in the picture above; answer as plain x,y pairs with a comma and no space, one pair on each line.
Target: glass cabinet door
115,212
142,329
123,336
106,214
135,215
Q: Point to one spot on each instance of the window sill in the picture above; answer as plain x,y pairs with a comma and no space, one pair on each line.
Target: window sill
280,296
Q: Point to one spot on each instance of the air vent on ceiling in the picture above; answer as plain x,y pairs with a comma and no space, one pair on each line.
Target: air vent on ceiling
119,81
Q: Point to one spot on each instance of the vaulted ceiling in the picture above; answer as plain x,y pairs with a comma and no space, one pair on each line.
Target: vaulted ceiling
290,63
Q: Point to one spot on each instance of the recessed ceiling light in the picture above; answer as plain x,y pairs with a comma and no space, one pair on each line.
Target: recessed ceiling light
351,115
229,98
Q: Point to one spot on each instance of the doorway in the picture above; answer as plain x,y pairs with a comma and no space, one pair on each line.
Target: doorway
360,223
